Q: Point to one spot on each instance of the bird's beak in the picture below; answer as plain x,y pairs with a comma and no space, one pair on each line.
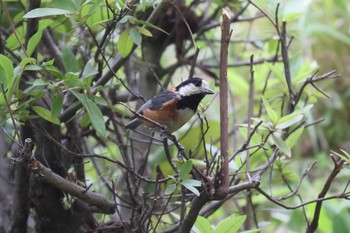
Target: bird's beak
208,91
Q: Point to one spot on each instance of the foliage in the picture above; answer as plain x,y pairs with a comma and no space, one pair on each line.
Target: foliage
71,71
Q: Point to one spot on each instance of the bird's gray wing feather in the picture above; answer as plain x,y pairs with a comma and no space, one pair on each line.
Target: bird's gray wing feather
156,102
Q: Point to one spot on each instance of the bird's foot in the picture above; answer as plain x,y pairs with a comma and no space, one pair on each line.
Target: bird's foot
181,153
164,131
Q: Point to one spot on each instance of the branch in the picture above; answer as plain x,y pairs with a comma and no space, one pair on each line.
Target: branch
338,165
250,111
199,202
274,200
311,80
92,198
222,191
245,63
285,58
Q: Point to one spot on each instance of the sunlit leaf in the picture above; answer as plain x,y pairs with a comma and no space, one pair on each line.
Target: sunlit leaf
94,112
135,36
292,17
33,42
69,60
231,224
294,114
190,184
89,70
185,169
73,80
46,114
202,225
282,145
125,43
345,157
294,137
6,71
134,20
144,31
270,111
26,61
289,122
200,163
170,189
326,30
42,12
85,120
277,72
56,104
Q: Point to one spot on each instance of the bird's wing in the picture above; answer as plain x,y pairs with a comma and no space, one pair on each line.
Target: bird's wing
155,103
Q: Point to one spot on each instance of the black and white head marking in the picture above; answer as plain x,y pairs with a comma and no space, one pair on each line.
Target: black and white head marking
193,86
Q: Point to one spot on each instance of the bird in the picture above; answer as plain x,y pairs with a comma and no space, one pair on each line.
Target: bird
172,108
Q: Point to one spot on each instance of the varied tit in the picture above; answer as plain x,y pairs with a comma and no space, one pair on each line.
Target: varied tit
173,108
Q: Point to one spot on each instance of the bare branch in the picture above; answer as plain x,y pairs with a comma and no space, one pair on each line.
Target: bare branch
338,166
92,198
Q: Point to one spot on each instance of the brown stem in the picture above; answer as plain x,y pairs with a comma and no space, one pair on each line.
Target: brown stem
225,41
338,165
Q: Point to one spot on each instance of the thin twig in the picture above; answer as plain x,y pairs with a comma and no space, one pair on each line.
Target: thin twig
250,111
306,172
244,146
168,155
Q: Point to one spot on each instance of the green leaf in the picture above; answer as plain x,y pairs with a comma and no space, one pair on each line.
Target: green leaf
94,112
89,70
202,225
44,113
121,5
282,145
296,113
272,113
293,138
135,36
231,224
16,38
144,31
6,71
33,42
151,26
191,184
185,169
73,80
289,122
199,162
6,77
170,189
345,157
326,30
84,120
292,17
69,60
277,72
70,5
56,104
27,61
125,43
42,12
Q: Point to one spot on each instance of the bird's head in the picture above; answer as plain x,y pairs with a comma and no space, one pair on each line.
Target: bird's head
194,86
